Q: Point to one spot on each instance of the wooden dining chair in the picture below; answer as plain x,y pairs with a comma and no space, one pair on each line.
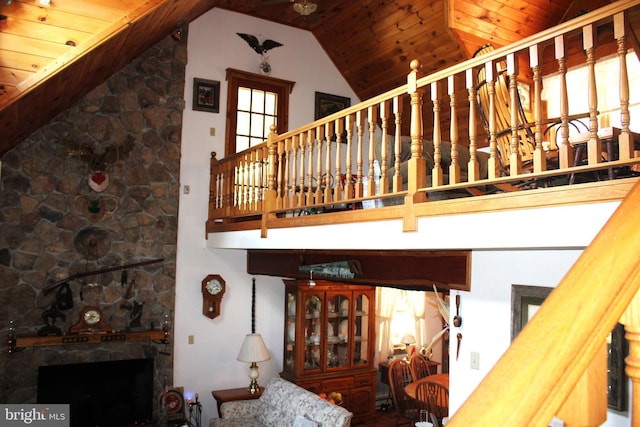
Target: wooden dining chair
525,129
399,376
435,397
419,366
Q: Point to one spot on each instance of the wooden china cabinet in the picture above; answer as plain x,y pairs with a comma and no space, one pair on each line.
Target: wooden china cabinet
329,338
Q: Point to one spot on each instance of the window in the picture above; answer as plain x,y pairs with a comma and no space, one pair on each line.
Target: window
254,103
607,80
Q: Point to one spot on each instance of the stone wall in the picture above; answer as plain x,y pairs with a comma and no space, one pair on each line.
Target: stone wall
54,225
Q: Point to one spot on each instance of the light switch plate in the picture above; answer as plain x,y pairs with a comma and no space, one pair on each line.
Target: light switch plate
475,360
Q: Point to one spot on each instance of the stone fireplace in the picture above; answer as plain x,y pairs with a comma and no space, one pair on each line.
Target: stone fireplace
61,217
116,393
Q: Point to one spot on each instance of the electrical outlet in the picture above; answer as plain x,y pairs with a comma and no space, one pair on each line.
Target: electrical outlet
475,360
187,189
212,131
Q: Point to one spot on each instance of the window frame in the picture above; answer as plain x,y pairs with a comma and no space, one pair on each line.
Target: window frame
239,78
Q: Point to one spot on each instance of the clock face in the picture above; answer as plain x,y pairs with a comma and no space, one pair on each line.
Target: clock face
214,286
91,317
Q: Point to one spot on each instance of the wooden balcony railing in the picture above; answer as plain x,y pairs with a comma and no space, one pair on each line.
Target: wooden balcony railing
426,141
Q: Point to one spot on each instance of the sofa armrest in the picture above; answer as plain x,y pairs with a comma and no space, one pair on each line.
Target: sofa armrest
241,409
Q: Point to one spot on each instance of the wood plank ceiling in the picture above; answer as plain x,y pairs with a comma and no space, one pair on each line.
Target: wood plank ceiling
51,55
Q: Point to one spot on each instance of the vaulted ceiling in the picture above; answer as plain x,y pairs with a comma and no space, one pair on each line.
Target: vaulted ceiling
52,55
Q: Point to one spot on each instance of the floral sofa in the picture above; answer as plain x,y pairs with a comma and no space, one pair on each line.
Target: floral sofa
282,404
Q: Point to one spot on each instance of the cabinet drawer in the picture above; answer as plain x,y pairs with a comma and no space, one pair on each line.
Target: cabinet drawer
364,380
338,384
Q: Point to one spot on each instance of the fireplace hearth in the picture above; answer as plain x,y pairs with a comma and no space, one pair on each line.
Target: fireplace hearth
105,394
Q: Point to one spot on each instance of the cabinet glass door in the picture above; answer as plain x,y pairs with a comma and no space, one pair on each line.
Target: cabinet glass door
290,331
338,330
361,330
312,331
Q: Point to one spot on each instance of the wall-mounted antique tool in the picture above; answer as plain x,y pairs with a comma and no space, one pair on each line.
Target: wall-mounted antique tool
457,320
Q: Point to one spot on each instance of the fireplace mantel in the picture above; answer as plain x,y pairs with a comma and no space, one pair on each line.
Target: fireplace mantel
19,343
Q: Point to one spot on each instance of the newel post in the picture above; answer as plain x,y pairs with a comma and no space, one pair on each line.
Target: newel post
417,176
631,321
270,195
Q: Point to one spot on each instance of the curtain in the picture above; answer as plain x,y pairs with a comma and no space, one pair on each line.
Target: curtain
416,301
385,305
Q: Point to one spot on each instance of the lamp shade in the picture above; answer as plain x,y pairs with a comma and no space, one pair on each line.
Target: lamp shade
253,349
408,339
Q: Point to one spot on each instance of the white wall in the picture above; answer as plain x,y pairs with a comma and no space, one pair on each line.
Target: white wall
213,46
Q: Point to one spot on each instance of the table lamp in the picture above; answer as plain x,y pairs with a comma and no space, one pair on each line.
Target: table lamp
407,340
253,350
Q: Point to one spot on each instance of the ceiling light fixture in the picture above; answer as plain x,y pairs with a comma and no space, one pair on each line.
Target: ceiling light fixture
305,7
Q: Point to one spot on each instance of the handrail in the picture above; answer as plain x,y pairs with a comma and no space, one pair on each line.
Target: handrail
330,163
528,384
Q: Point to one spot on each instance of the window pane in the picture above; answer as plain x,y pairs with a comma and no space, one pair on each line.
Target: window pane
270,103
256,141
257,103
257,125
242,143
242,127
268,121
244,99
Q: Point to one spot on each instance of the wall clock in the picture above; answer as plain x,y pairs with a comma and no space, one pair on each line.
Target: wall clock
213,287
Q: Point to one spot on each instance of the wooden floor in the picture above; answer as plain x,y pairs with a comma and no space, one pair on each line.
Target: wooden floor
384,419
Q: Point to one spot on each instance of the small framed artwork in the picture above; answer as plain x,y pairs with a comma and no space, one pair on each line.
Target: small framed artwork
526,300
206,95
327,104
618,349
524,91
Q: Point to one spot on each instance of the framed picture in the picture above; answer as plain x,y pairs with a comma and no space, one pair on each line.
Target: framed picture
206,95
526,300
618,349
327,104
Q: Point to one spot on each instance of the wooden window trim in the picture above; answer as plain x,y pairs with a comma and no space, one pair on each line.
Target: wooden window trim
237,78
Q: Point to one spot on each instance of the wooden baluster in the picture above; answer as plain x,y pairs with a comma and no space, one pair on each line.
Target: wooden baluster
631,321
437,177
384,119
360,141
320,141
474,167
564,149
259,181
327,167
246,176
303,151
286,184
270,196
372,118
454,167
417,166
310,142
397,111
625,141
264,174
515,158
594,145
294,171
280,178
494,162
252,181
348,185
586,405
539,156
337,185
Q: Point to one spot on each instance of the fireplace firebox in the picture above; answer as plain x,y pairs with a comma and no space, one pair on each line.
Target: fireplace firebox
106,394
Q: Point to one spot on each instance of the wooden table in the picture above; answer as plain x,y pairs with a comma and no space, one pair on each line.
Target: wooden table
228,395
411,388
